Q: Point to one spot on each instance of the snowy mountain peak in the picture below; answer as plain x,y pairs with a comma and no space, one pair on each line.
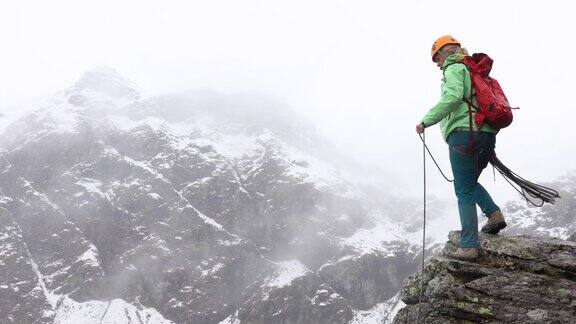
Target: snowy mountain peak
107,81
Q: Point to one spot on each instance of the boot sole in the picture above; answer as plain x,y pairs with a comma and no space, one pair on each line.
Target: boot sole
494,229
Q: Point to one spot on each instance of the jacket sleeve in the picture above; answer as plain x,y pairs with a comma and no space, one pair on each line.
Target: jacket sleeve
452,94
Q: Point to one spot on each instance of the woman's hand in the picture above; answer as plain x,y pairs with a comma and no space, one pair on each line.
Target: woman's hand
420,128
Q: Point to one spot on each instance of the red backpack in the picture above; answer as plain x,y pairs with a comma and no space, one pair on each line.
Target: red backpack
494,108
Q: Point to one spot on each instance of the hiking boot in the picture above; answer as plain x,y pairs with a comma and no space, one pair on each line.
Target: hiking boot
495,223
465,254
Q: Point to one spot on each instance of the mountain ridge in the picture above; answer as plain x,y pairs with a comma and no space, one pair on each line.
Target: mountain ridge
194,221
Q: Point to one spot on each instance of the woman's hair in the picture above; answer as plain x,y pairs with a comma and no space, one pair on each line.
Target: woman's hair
450,49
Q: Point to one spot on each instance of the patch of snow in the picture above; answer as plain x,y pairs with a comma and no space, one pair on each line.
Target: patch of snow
533,220
40,195
50,296
207,219
134,182
105,312
65,120
199,182
232,319
525,217
50,278
346,257
155,242
212,270
126,124
91,186
558,232
221,242
319,173
382,313
90,257
387,230
367,241
106,82
286,272
145,166
155,195
60,118
109,150
236,145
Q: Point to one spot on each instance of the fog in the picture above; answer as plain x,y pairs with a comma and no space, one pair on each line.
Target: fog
360,71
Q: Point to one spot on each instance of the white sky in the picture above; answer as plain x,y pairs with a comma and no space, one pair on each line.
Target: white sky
358,69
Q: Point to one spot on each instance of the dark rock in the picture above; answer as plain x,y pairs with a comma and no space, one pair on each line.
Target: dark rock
23,298
516,279
371,278
305,300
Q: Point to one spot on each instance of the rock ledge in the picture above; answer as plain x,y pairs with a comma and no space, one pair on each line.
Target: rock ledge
517,279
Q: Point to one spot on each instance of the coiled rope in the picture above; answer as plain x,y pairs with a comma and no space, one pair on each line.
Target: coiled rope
545,194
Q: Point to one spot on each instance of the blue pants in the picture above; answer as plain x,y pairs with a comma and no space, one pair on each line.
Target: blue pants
467,165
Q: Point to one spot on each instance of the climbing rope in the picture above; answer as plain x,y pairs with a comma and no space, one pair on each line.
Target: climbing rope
423,139
424,149
526,187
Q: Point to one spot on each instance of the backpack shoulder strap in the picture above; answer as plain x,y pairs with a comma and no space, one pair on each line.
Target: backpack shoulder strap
468,101
472,93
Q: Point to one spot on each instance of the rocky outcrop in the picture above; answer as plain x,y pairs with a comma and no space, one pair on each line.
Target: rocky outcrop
517,279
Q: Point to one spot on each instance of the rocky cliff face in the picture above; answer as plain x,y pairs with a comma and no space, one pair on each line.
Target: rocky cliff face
195,207
517,279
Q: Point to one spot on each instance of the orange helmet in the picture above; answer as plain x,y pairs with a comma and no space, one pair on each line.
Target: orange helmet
441,42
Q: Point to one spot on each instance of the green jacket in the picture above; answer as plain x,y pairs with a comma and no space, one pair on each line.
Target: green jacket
451,111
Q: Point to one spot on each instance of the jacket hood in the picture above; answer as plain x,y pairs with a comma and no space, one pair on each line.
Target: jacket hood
454,58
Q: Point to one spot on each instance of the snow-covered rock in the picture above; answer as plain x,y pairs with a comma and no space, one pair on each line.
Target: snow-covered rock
109,312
